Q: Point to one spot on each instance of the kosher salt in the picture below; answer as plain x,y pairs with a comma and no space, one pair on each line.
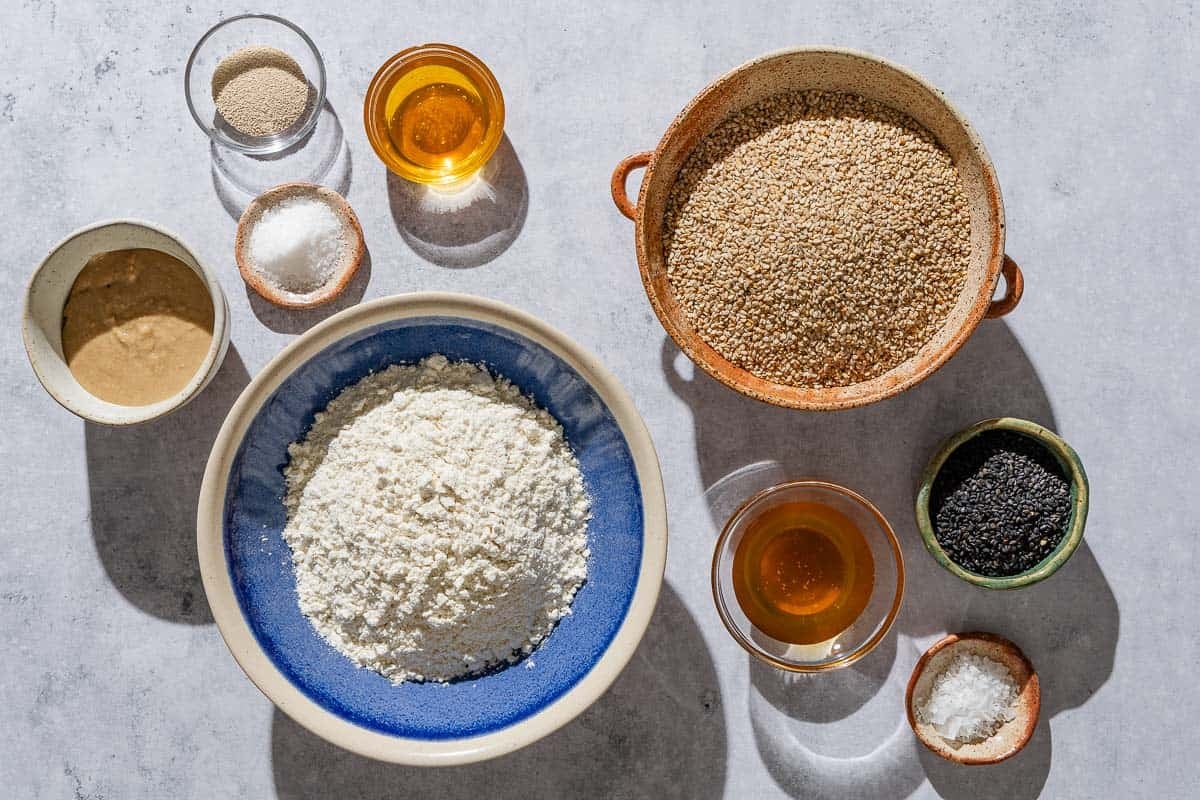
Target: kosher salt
298,244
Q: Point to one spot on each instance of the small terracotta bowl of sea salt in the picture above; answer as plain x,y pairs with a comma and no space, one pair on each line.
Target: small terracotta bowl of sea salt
298,245
973,698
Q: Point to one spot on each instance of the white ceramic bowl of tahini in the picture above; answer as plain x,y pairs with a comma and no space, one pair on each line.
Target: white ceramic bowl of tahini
250,581
42,318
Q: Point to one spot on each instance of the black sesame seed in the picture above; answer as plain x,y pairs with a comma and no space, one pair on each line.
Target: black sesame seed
1000,504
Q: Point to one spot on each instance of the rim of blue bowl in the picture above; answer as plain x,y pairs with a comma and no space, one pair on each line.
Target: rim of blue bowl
291,699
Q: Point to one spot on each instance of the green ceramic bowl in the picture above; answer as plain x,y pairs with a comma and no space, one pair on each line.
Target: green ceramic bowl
1071,465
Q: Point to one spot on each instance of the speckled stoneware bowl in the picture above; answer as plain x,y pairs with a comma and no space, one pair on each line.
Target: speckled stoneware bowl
1012,735
42,318
1067,458
841,70
247,570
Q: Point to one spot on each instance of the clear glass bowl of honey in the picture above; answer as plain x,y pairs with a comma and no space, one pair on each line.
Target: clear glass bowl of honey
808,576
434,114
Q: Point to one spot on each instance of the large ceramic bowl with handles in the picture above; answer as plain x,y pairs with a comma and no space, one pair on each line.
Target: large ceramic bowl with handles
837,70
247,569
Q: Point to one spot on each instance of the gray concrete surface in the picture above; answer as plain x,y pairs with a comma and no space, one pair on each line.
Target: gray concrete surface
115,683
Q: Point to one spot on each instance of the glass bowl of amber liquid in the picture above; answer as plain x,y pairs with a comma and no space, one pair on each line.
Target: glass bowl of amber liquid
808,576
434,114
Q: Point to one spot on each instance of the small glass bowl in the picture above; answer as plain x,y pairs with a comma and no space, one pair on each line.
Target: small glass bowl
865,632
447,63
248,30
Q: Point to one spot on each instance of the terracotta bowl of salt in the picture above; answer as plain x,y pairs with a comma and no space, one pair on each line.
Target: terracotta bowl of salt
310,247
1011,736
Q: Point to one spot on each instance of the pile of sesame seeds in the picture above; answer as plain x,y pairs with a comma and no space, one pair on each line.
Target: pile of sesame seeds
817,239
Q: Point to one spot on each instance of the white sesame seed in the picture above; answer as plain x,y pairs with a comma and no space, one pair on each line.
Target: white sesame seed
817,239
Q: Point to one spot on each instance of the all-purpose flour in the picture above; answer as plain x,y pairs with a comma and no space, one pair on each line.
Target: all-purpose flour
437,521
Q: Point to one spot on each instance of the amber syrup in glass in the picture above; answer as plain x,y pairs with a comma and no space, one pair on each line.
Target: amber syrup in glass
803,572
434,114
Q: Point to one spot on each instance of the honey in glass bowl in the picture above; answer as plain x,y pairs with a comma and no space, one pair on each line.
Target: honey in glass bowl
807,576
434,114
803,572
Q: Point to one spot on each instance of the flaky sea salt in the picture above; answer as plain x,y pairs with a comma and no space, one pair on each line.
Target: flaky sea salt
298,244
970,699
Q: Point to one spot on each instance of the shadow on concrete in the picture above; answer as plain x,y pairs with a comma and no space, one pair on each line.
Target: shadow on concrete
878,450
825,698
321,157
838,735
144,485
662,721
468,224
1067,625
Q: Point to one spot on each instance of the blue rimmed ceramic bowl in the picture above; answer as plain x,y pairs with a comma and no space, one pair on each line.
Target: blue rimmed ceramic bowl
247,570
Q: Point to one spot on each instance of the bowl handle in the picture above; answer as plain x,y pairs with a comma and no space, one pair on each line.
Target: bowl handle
1014,287
619,176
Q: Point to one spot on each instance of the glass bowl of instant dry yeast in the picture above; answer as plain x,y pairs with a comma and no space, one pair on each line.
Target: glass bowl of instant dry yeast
434,114
808,576
255,83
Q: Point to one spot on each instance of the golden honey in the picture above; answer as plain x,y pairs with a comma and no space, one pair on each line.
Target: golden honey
434,114
803,572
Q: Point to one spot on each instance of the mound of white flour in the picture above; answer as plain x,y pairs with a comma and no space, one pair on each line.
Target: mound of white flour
437,521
